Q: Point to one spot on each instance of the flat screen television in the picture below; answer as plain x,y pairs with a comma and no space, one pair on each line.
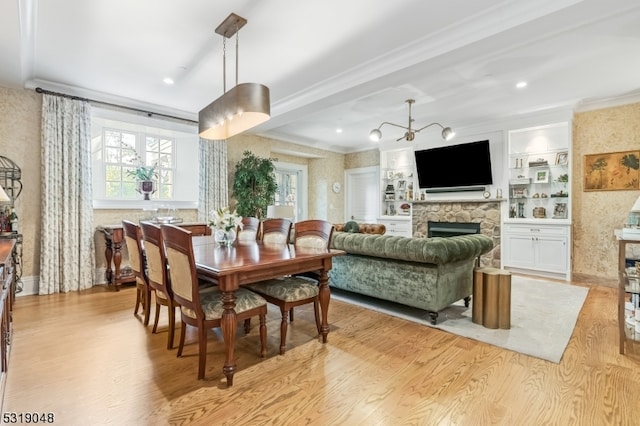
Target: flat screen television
460,167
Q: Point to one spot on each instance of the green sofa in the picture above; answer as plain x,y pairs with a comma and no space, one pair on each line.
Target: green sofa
426,273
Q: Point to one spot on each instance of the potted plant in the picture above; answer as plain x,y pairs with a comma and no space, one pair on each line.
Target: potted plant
254,185
145,176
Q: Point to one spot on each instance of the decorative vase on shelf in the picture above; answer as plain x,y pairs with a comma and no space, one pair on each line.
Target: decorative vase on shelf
224,238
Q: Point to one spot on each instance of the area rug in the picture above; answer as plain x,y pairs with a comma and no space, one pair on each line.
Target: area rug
543,316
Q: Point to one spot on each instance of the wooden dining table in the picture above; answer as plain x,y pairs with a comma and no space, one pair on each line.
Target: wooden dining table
247,262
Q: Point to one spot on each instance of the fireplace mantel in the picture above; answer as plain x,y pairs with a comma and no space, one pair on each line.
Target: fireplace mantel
459,200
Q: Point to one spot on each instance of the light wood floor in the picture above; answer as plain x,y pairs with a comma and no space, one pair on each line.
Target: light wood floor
87,359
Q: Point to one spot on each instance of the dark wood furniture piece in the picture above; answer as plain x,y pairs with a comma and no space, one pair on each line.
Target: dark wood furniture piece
291,291
158,276
491,298
276,231
250,229
202,308
8,280
251,261
133,239
114,238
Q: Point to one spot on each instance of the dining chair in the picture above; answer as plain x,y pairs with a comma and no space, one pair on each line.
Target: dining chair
158,276
133,239
203,308
291,291
250,229
276,231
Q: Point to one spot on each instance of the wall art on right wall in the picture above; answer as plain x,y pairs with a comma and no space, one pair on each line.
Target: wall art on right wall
612,171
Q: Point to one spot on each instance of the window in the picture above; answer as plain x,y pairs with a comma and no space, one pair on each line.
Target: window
122,141
123,151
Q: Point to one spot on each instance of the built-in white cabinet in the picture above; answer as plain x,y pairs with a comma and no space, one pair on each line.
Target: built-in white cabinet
537,225
399,227
540,248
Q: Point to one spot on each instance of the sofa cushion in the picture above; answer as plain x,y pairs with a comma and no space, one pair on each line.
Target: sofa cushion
426,250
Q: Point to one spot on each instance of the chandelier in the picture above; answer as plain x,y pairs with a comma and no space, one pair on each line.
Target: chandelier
244,106
410,134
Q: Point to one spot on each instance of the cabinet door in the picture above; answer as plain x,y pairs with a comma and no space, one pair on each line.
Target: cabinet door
551,254
520,251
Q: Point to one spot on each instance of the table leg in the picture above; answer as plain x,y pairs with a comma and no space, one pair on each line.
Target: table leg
108,255
229,325
324,297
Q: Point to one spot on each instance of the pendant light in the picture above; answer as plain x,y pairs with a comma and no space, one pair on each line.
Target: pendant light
244,106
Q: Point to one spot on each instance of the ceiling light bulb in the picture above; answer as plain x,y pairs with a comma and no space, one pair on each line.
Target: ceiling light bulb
168,80
521,84
338,130
448,133
375,135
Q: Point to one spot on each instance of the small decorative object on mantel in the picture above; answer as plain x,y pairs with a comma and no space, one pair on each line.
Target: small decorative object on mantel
223,225
405,208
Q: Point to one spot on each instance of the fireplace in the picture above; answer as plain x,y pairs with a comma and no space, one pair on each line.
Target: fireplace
449,229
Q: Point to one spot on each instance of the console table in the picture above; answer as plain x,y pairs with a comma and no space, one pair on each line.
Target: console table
8,280
625,287
114,239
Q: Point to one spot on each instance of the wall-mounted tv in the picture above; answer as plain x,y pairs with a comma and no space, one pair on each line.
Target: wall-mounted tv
460,167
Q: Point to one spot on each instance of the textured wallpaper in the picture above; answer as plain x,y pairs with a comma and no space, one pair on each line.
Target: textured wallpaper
596,214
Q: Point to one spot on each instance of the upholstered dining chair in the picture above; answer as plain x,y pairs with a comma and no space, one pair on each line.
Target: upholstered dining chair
203,308
288,292
276,231
158,276
250,229
133,239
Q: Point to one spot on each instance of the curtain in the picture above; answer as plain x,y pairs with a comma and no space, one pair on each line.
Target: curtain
67,234
214,192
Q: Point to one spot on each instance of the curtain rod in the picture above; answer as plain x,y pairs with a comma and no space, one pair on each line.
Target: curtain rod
78,98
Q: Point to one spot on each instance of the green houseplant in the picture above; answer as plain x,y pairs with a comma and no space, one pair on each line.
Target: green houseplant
254,185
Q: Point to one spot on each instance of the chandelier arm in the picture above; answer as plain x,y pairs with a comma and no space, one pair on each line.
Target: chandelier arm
392,124
429,125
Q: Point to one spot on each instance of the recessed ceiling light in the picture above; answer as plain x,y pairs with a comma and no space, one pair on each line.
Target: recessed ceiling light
521,84
338,130
168,80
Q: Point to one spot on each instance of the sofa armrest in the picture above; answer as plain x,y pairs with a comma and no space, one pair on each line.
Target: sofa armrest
425,250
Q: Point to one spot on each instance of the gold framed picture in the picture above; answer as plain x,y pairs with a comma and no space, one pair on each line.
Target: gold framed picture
612,171
562,158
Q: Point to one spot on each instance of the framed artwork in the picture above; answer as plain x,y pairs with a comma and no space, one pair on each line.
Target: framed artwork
402,185
612,171
390,175
562,158
542,176
560,211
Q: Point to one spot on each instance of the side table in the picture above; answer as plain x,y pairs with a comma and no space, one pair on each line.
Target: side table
491,306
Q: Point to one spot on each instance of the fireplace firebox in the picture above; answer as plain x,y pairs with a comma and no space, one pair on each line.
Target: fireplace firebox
450,229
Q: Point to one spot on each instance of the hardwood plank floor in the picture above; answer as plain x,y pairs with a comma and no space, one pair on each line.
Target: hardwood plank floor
87,359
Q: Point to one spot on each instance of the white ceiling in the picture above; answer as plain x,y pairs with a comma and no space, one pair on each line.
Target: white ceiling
329,64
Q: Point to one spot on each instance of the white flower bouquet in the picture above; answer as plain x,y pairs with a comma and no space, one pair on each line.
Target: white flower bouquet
224,219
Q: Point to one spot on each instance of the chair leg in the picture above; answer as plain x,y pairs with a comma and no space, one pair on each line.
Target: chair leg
172,325
247,326
283,331
138,301
202,350
156,318
291,315
183,331
147,305
316,311
263,336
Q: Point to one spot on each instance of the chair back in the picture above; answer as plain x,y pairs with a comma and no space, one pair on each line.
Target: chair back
313,233
182,267
276,231
156,257
250,228
133,239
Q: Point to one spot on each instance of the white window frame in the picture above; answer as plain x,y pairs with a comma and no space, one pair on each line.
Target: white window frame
186,159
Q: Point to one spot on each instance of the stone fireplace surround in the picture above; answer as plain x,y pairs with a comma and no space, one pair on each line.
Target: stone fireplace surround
485,212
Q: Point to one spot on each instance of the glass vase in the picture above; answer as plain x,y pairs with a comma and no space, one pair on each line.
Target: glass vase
224,238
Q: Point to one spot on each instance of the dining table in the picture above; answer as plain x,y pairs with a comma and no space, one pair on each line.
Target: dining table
247,262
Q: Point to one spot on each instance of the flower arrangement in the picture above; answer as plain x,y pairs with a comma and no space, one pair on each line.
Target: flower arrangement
143,173
224,219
